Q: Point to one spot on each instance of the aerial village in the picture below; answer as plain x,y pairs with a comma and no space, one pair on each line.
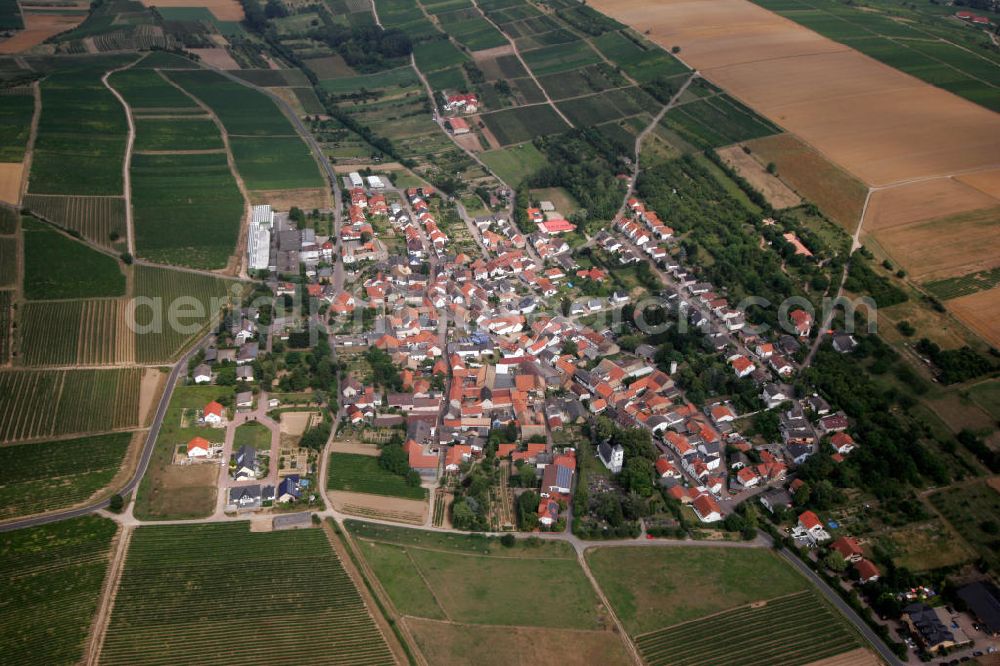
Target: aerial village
503,383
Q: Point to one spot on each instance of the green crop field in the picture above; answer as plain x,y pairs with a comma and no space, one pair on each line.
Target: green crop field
56,266
6,318
474,32
8,220
88,332
10,15
47,403
8,262
169,491
515,163
43,476
187,209
100,220
362,474
641,60
275,163
156,339
81,134
164,59
790,631
147,89
15,124
596,109
560,58
197,133
437,54
452,78
651,589
577,82
501,589
50,589
524,123
242,110
716,121
273,77
301,600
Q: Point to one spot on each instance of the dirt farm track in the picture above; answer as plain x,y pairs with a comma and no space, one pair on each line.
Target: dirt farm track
925,153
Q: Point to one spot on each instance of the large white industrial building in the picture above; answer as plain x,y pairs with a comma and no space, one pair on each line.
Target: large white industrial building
259,238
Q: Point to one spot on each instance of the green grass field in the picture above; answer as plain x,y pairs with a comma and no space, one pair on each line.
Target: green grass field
81,134
50,588
169,491
391,78
302,600
56,266
791,631
437,54
10,15
651,588
361,474
514,164
987,396
473,32
155,340
510,587
15,125
252,434
187,209
641,60
560,58
275,163
972,510
159,134
43,476
147,89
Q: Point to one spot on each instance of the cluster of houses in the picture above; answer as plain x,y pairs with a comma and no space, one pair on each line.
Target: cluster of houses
253,496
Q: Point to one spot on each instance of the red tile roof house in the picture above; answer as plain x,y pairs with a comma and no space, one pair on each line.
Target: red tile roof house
214,413
548,512
742,366
555,227
803,322
707,509
842,443
867,572
848,548
198,448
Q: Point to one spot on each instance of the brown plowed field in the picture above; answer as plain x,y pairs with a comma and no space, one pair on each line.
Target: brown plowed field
38,28
859,657
880,124
10,182
930,199
945,247
981,312
984,181
224,10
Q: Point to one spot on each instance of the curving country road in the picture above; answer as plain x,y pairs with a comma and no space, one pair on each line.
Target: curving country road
140,470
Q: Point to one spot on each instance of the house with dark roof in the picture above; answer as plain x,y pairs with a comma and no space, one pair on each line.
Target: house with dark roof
982,598
931,632
557,479
288,489
245,463
777,498
244,498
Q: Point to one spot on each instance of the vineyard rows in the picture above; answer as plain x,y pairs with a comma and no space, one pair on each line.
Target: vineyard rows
94,218
224,595
46,403
6,318
50,589
790,631
169,286
87,332
8,262
42,476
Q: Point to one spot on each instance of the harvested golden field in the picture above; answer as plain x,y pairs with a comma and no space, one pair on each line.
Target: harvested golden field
981,312
447,643
880,124
774,190
984,181
10,182
840,195
224,10
926,200
38,28
945,247
859,657
217,57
